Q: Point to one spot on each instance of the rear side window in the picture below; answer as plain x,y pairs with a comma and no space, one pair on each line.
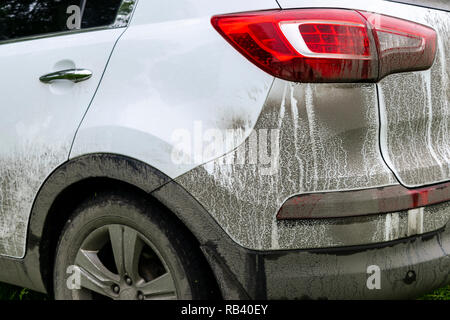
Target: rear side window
99,13
25,18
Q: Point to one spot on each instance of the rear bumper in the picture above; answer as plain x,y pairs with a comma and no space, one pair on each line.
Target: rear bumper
408,268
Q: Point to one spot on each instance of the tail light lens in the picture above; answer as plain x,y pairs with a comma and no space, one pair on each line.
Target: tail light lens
328,45
402,45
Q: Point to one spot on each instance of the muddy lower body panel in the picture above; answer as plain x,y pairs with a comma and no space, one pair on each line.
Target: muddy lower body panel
398,269
309,138
403,270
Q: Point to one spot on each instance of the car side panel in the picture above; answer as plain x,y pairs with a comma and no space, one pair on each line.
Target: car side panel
328,134
329,141
172,78
39,120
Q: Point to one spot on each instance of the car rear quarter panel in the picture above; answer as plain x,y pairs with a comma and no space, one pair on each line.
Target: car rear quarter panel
329,140
173,76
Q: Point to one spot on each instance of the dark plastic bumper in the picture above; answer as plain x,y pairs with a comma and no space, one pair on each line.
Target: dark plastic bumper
408,268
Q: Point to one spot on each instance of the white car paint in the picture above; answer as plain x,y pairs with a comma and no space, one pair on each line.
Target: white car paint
172,74
39,120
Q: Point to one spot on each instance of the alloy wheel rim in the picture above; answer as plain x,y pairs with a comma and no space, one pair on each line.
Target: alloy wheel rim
117,262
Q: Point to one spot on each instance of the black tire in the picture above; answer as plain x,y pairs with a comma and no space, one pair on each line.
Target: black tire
123,215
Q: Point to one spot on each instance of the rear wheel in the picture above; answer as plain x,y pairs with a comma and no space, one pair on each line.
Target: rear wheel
117,246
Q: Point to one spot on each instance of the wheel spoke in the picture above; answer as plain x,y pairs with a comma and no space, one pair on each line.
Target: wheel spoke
159,288
94,275
127,247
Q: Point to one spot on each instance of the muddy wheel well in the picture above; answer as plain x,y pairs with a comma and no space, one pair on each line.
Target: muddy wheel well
70,198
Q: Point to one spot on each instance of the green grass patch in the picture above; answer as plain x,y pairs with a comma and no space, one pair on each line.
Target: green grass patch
8,292
439,294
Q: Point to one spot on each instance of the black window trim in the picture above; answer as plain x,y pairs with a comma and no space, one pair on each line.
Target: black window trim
123,18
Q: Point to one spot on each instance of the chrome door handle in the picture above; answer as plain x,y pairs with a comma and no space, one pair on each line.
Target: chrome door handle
74,75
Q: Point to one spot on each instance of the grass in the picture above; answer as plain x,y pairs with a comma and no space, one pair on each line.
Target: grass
439,294
8,292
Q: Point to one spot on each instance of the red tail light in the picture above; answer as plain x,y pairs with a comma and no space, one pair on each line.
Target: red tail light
402,45
328,45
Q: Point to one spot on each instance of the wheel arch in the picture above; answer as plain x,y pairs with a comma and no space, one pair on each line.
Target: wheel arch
70,183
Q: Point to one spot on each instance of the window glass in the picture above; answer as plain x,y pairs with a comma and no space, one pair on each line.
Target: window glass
24,18
100,13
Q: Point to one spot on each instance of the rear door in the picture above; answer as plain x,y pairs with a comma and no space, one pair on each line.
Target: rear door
52,57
